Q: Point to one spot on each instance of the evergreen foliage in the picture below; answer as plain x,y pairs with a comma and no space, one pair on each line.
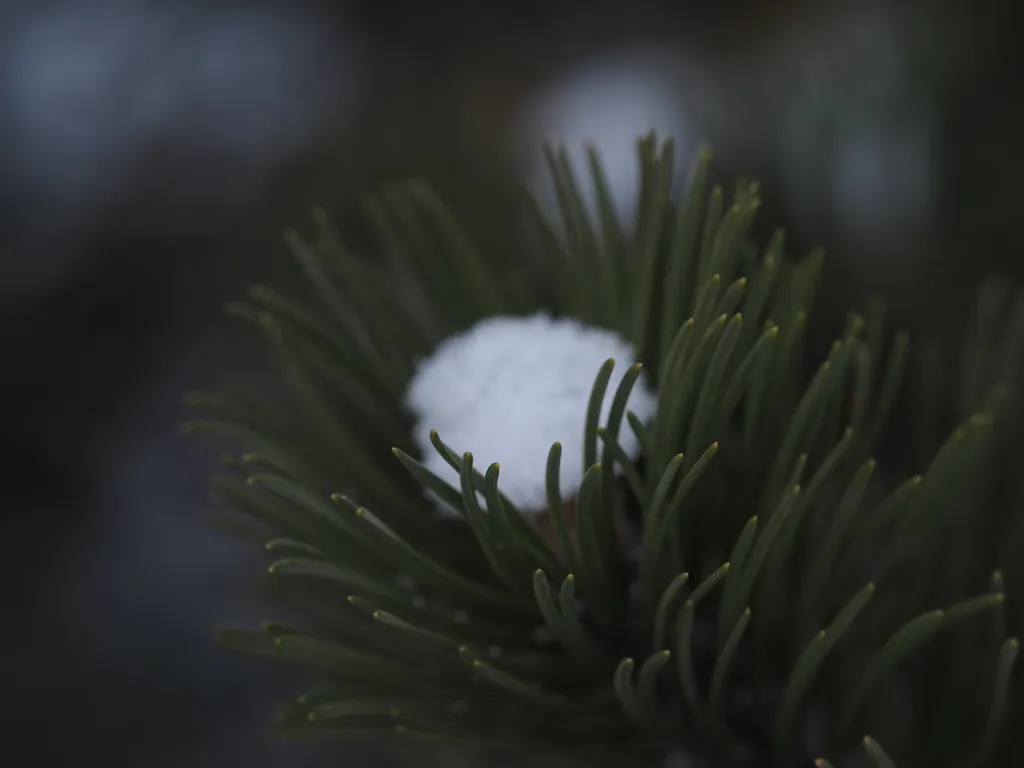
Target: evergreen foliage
789,593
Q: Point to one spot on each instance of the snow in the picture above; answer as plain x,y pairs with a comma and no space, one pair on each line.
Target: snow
510,387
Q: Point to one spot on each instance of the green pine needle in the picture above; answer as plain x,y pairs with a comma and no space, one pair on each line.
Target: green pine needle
587,640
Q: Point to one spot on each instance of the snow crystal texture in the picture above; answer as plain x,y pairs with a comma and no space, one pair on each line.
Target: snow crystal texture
508,388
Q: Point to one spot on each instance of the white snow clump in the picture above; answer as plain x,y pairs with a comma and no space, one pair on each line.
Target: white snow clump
508,388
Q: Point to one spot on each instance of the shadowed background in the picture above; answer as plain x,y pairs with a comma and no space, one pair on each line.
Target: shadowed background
151,154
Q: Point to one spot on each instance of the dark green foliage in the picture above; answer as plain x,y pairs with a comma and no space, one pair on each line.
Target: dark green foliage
789,593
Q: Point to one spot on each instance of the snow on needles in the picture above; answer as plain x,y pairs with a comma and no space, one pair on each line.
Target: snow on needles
508,388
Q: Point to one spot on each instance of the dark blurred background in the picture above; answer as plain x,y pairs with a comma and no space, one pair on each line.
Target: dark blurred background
151,153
